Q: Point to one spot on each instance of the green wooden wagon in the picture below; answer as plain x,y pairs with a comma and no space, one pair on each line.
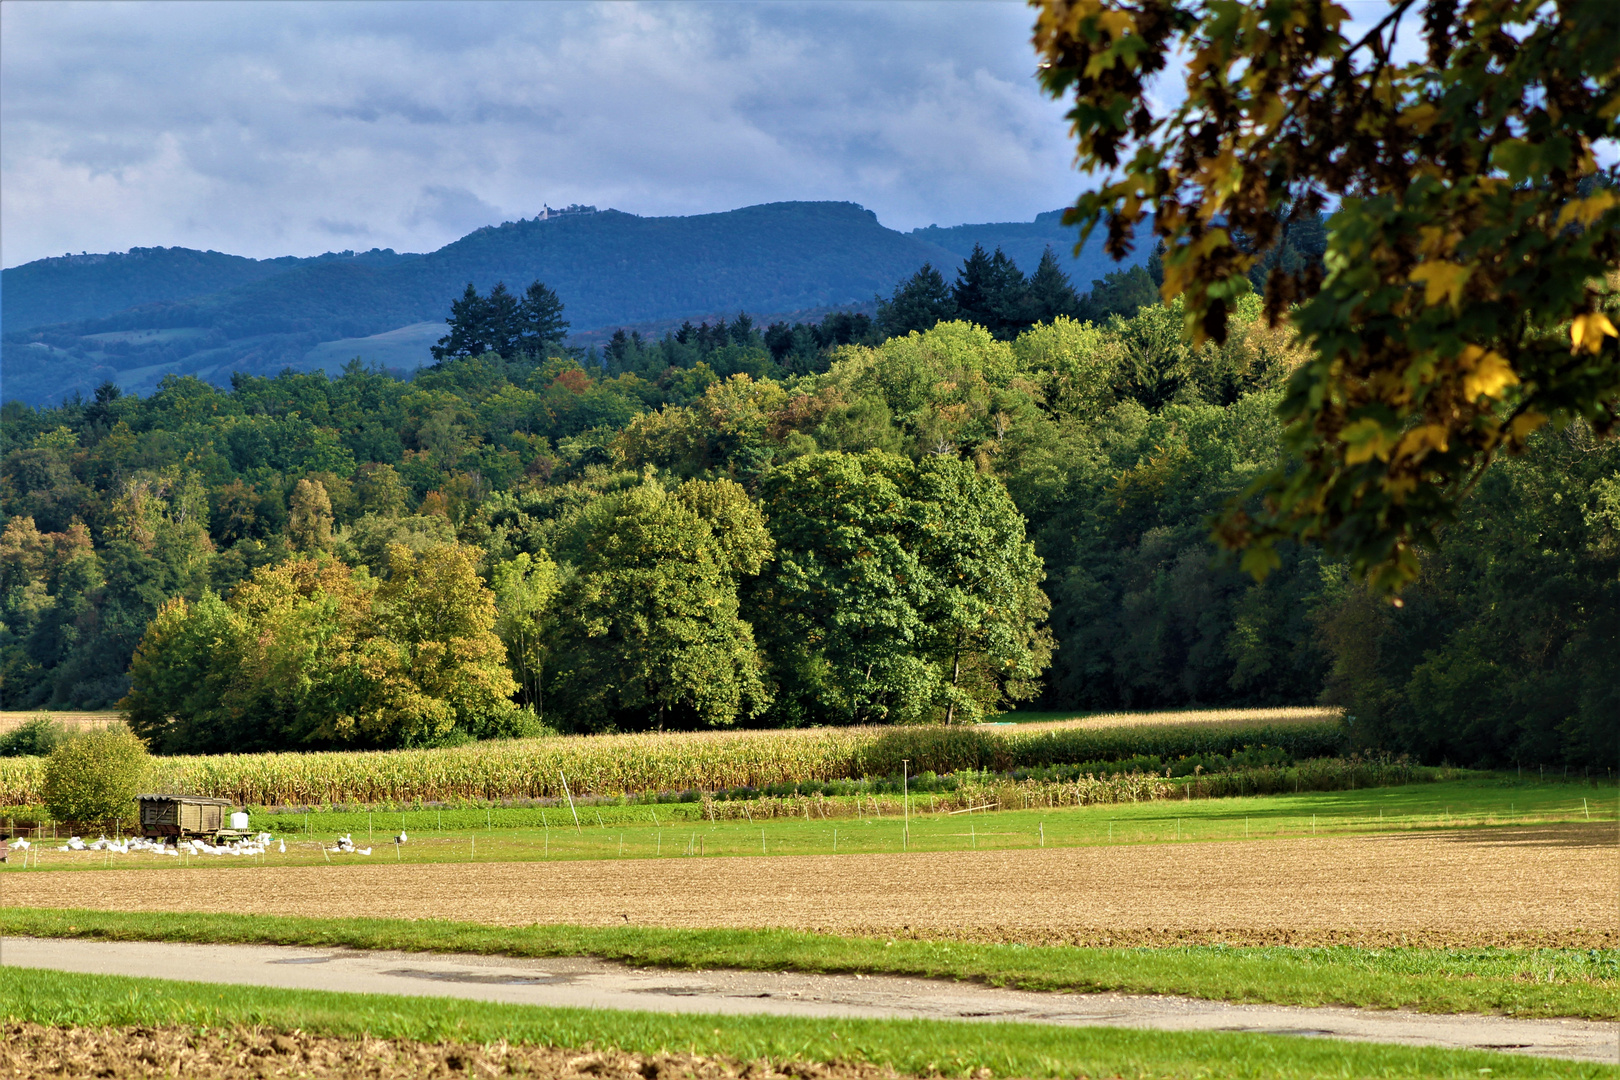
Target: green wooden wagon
182,816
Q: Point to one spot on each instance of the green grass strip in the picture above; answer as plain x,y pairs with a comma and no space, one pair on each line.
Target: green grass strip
1517,982
909,1046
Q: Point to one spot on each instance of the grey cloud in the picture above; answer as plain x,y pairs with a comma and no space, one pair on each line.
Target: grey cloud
342,228
454,208
253,128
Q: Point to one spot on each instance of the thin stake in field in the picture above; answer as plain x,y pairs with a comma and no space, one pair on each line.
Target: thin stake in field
571,809
905,797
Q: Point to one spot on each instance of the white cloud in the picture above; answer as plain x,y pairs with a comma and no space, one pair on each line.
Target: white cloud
286,128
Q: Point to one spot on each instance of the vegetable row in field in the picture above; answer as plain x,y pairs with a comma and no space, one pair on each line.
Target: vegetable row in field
704,761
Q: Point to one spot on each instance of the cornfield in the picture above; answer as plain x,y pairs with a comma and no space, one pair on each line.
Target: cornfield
991,793
611,765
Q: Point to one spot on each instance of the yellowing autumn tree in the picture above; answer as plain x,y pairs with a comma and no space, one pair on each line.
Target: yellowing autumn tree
308,653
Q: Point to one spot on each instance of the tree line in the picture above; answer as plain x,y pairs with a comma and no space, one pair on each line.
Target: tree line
924,526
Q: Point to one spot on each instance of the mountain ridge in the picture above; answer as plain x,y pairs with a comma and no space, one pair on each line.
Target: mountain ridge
210,314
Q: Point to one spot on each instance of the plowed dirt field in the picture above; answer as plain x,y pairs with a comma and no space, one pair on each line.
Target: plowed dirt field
1551,886
32,1050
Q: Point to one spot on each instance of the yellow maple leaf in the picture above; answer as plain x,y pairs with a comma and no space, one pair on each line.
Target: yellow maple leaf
1488,373
1364,440
1525,423
1587,210
1116,22
1420,440
1588,331
1441,281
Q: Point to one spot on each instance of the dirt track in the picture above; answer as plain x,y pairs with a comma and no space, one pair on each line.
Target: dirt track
1551,886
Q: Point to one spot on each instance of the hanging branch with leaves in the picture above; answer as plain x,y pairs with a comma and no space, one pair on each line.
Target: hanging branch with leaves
1469,293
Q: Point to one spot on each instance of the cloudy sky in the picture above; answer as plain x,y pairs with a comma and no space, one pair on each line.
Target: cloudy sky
283,128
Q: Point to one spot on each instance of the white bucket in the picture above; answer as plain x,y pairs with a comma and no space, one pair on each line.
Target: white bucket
239,821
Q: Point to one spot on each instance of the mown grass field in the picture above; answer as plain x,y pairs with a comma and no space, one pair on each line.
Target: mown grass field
914,1047
680,830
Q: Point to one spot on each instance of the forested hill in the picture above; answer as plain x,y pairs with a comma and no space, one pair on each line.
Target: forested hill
73,288
155,312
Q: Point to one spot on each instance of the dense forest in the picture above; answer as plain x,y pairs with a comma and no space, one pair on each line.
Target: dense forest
997,491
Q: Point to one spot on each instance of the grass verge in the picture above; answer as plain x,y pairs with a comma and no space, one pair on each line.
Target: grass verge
1517,982
909,1046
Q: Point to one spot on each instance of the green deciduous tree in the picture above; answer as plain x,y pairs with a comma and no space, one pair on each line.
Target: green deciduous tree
439,618
525,588
899,591
309,518
648,630
94,777
1464,303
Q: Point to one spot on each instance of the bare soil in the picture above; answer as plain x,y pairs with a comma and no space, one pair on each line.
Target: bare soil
1549,886
31,1050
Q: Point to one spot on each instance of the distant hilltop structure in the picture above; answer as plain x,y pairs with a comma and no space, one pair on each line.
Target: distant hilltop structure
572,208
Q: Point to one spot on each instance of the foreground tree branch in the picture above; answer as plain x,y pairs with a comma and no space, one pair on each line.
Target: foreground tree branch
1469,292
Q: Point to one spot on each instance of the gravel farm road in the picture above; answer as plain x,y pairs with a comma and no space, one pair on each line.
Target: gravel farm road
590,983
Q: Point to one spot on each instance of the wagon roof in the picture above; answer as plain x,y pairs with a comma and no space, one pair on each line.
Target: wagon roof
201,800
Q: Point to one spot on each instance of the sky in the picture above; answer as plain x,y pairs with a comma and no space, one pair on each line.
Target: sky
293,129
